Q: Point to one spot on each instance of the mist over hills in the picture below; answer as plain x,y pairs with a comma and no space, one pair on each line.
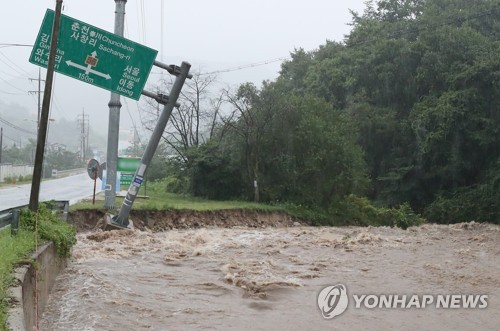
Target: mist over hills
20,126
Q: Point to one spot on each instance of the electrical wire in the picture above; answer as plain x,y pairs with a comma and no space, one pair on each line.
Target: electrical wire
5,45
16,127
162,29
138,18
24,73
7,82
399,33
11,93
10,138
134,124
246,66
143,21
11,75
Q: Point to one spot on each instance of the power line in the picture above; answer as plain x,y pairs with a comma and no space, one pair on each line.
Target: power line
5,92
11,139
162,29
25,74
7,82
246,66
138,18
16,127
143,21
11,75
450,21
5,45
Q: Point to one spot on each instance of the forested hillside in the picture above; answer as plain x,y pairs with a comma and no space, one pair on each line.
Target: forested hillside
404,110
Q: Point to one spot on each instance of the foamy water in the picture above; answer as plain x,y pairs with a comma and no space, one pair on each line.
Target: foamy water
269,278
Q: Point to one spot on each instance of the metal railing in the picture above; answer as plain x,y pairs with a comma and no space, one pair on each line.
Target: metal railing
65,173
11,216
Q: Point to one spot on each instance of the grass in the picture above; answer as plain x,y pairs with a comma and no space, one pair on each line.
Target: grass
159,199
12,250
10,184
17,249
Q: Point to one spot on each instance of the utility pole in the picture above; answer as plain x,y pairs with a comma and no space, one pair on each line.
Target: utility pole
1,144
83,123
114,122
44,115
1,149
88,135
39,93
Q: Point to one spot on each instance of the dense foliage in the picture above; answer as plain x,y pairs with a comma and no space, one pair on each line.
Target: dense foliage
404,111
50,227
17,249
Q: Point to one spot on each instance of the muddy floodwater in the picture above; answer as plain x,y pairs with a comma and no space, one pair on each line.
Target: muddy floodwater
269,278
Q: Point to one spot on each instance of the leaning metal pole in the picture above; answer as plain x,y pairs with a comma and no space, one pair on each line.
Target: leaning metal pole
114,122
44,118
122,218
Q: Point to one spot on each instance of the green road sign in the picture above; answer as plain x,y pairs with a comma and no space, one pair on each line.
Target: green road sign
95,56
126,178
128,164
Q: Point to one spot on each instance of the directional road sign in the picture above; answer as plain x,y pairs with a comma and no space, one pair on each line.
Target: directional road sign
126,178
128,164
95,56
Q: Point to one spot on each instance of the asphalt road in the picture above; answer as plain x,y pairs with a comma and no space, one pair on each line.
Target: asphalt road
72,188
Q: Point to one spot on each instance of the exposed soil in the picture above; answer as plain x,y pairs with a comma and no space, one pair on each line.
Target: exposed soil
158,221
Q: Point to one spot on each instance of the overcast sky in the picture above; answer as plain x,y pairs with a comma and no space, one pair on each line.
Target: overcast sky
211,35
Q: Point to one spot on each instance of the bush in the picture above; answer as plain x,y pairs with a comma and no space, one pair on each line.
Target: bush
404,217
354,210
358,211
480,204
175,184
313,216
50,228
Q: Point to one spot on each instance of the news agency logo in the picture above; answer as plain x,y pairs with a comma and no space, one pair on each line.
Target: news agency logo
333,301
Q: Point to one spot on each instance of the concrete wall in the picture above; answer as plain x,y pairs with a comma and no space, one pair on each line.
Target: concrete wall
10,170
22,315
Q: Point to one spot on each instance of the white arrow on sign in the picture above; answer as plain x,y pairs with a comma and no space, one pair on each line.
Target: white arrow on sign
87,70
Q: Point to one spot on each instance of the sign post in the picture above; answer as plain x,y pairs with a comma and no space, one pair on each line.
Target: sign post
121,220
51,60
93,170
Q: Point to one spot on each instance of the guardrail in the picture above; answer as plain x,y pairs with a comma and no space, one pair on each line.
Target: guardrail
11,216
65,173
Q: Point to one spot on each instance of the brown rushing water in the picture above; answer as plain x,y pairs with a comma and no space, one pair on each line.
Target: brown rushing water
269,278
